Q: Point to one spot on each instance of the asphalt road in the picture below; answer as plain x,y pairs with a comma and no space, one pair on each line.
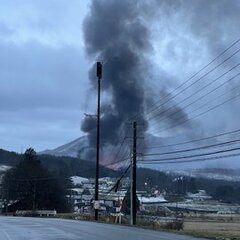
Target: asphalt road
18,228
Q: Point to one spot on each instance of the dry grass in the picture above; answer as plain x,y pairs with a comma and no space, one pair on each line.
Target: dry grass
224,228
208,226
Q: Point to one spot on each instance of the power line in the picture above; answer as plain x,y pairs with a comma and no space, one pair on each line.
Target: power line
119,161
192,156
201,97
198,115
120,147
126,154
203,105
204,67
194,149
192,160
210,71
116,186
117,140
117,155
194,140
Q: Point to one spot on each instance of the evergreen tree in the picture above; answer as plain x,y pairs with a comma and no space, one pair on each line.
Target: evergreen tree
31,186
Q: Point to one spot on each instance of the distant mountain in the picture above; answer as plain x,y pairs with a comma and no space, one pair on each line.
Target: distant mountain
156,147
75,148
80,147
64,166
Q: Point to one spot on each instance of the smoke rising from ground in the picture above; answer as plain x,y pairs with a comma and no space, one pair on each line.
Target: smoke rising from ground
119,33
115,33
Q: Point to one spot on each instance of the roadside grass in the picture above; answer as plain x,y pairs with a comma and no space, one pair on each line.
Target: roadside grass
229,230
212,235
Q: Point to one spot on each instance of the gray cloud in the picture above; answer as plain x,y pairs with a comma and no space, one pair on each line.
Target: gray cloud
42,92
5,30
42,73
39,76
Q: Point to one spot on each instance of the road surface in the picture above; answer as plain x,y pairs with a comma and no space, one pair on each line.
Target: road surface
18,228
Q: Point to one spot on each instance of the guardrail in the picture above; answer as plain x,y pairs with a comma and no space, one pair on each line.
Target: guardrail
36,213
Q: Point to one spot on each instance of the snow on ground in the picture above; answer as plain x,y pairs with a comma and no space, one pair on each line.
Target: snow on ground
79,180
221,177
78,190
209,175
200,195
4,168
219,208
159,199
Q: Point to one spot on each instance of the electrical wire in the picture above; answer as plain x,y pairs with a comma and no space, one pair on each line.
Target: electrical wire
116,186
192,156
195,140
118,139
198,115
119,161
120,147
199,98
187,87
195,149
203,68
192,160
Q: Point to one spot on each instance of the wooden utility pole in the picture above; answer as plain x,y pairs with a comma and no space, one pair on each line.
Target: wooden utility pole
99,76
133,181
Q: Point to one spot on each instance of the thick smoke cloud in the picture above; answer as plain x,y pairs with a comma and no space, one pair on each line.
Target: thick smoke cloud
115,33
122,34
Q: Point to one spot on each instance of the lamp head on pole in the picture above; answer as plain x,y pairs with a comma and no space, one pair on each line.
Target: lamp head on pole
99,70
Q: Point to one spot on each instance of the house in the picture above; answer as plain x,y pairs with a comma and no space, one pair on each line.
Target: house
152,204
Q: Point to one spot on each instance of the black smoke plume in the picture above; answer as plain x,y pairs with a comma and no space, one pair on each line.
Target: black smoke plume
115,33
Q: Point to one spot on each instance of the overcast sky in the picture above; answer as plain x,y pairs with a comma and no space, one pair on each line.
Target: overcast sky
45,91
43,73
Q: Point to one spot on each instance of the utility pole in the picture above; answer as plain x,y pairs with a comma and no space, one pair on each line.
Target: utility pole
133,180
99,76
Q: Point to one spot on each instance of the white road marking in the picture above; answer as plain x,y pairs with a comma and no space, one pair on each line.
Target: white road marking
8,237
